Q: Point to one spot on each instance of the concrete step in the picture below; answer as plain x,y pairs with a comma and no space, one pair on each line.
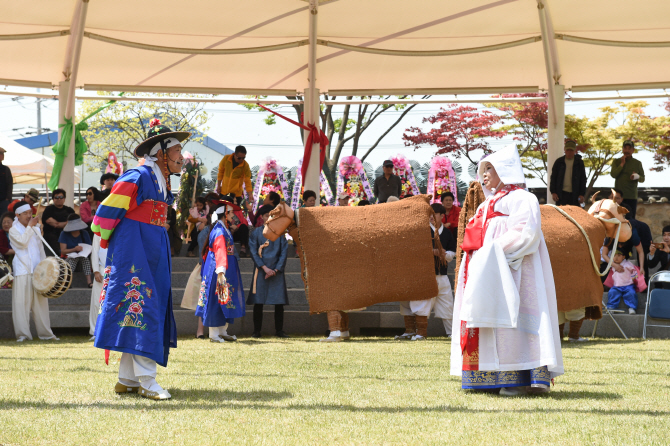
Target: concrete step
180,279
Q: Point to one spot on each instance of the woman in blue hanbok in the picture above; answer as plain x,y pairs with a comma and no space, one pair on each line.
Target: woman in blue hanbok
221,298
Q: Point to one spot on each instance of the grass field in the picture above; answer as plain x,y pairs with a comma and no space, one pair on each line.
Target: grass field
299,391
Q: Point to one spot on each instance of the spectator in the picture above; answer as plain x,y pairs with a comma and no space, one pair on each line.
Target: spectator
198,218
450,218
54,219
308,199
234,173
173,232
618,196
659,253
107,181
626,248
6,182
6,250
90,206
343,199
387,185
268,285
74,234
644,232
273,198
628,172
363,203
32,197
623,273
568,177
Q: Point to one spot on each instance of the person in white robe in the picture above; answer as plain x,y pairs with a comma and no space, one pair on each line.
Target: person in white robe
505,331
24,236
98,263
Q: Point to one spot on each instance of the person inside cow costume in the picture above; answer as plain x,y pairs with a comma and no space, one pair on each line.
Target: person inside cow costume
505,330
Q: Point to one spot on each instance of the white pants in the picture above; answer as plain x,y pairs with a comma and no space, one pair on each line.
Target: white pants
573,315
95,306
444,302
25,299
217,332
136,368
417,307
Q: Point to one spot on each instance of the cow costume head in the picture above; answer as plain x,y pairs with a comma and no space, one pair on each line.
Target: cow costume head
608,209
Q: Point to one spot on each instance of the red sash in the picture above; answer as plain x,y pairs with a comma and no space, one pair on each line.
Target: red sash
149,211
472,241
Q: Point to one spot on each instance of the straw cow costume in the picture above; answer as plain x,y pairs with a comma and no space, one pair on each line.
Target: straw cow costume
136,302
505,319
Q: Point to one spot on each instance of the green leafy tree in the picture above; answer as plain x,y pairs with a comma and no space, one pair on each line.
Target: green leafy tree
122,126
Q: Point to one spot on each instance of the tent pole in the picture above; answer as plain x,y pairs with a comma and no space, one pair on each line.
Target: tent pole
556,94
311,180
67,174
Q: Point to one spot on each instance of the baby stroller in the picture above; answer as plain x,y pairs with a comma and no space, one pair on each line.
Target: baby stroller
658,301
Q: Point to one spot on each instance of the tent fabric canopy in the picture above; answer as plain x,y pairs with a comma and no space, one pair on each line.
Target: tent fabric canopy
427,25
27,166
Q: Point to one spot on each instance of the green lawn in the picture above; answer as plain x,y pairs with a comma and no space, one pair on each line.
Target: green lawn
299,391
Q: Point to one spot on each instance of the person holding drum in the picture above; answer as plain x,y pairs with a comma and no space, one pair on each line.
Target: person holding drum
71,239
136,316
25,238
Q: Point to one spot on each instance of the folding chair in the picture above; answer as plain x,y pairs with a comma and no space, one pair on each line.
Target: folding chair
607,310
658,301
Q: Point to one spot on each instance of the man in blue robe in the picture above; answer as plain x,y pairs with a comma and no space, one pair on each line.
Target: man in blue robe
136,316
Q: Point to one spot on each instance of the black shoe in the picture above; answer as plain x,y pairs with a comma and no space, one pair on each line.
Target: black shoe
255,334
281,334
200,337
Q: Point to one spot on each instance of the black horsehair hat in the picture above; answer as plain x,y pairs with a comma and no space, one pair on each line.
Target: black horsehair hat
108,176
157,133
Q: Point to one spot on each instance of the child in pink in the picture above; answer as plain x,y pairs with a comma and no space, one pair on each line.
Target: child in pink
623,275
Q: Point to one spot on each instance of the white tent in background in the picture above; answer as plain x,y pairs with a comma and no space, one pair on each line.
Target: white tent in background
27,167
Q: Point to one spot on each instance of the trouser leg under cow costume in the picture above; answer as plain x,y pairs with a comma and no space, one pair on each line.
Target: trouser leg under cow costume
417,312
338,324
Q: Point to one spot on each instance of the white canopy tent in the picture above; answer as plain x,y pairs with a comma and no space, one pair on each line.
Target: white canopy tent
278,47
28,167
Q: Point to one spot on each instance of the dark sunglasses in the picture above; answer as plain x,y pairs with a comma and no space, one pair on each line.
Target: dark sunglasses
60,197
89,193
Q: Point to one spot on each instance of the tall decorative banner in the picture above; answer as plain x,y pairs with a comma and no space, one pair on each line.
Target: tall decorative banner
113,165
296,196
403,169
352,180
441,179
270,178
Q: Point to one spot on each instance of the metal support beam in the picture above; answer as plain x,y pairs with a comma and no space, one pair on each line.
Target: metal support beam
311,180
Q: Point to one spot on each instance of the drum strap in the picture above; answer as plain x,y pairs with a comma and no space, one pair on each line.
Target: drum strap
44,241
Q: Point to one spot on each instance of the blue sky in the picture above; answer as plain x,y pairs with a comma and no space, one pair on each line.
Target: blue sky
232,124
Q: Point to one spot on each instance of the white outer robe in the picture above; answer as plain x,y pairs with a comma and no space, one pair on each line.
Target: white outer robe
510,294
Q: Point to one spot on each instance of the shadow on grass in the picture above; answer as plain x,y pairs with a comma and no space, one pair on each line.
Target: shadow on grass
598,341
218,395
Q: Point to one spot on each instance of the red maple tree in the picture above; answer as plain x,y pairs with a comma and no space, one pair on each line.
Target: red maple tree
461,130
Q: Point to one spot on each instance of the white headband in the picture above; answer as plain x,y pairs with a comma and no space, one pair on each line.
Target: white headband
22,209
169,142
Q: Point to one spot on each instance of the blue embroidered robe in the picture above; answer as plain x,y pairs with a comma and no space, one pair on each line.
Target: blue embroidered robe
136,309
270,291
215,310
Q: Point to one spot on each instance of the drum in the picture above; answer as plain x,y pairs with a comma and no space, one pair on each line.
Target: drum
52,277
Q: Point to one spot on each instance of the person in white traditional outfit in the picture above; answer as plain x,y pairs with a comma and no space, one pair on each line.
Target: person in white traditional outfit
98,263
505,332
24,236
416,312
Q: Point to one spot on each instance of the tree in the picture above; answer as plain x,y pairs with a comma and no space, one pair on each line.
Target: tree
355,120
122,126
461,131
527,121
